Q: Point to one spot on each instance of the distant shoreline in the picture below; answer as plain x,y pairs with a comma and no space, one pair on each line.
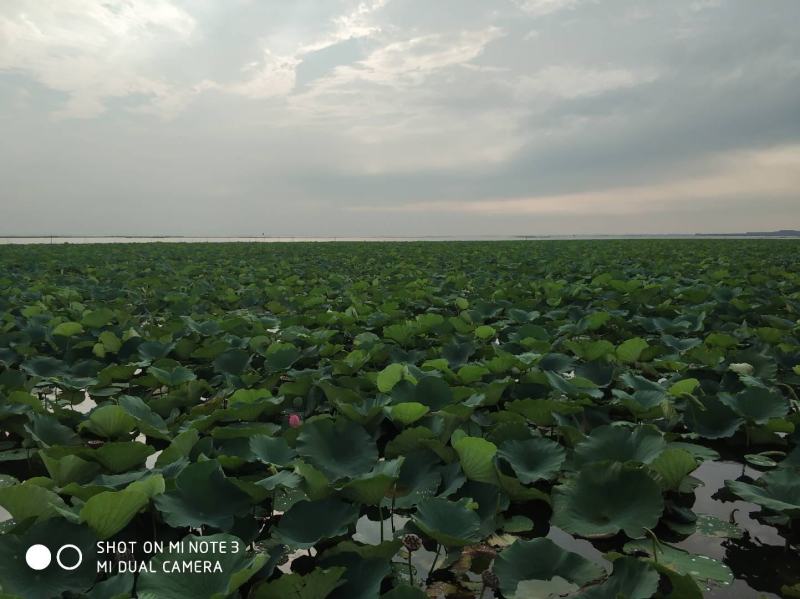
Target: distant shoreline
88,239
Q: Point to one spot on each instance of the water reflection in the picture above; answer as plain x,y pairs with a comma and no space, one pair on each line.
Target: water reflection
758,560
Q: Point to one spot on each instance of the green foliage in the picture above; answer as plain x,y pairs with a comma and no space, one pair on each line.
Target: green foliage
279,396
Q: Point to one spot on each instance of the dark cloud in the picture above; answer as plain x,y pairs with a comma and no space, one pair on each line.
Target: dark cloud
250,117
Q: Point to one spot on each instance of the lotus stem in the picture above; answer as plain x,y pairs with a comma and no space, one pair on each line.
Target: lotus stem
483,590
410,570
391,509
435,559
656,543
796,401
380,519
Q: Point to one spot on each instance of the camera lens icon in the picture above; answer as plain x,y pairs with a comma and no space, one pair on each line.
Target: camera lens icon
68,557
38,557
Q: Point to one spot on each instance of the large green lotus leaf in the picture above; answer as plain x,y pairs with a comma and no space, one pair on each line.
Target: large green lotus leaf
68,329
284,478
308,522
756,404
363,575
699,567
173,377
45,366
407,413
315,484
476,456
389,377
680,345
95,319
236,567
363,412
109,512
434,392
317,584
556,362
372,487
683,586
684,387
69,468
29,500
180,447
153,350
121,456
202,496
699,452
119,586
48,431
451,523
340,449
419,478
532,459
712,526
17,579
109,422
147,421
631,349
605,498
272,450
641,444
714,420
574,387
542,411
232,361
631,579
280,356
672,466
777,490
541,559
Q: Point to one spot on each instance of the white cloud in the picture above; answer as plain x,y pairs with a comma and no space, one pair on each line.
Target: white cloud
572,81
274,76
91,51
545,7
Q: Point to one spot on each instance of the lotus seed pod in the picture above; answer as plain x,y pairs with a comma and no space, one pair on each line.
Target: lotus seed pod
490,579
412,542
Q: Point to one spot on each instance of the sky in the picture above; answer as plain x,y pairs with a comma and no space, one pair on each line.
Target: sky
398,117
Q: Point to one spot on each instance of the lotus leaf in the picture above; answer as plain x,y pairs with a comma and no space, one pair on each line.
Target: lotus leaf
631,501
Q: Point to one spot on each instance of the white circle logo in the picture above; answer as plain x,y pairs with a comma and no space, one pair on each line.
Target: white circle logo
76,564
38,557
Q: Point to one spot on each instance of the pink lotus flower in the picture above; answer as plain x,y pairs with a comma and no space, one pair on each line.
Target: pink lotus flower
295,420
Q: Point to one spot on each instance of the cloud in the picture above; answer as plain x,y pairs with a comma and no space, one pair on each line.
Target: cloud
545,7
772,173
543,113
92,51
573,81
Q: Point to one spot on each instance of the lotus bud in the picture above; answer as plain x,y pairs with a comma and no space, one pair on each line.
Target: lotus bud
295,420
412,543
490,579
741,368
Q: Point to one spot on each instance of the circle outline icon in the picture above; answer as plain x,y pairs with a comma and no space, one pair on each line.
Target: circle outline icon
38,557
69,546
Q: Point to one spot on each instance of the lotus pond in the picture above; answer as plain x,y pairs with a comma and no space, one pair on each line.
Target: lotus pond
594,419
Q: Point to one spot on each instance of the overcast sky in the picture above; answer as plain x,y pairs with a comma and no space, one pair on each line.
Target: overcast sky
398,117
